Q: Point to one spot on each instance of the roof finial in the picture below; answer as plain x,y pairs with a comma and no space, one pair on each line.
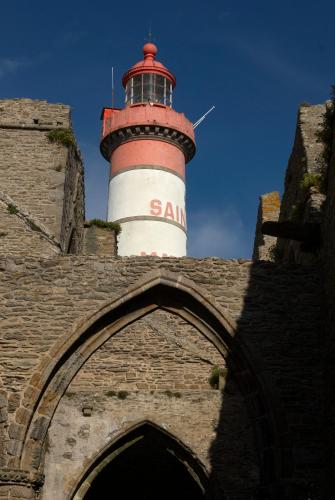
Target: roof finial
149,49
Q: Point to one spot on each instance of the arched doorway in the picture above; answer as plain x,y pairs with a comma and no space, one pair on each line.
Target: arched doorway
175,294
146,463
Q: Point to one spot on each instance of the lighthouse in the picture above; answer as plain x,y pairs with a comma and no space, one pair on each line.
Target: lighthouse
147,144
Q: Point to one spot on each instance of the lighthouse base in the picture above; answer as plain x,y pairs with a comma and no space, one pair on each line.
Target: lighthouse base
151,237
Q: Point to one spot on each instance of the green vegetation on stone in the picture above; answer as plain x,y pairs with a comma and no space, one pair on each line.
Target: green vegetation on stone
112,226
33,226
215,375
62,136
12,209
312,180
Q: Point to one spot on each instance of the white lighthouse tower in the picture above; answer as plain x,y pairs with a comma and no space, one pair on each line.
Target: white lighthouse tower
147,144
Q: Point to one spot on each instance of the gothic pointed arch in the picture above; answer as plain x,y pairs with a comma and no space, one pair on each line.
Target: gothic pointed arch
141,432
172,292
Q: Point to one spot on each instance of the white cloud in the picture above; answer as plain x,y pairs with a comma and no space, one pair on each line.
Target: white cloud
217,234
10,66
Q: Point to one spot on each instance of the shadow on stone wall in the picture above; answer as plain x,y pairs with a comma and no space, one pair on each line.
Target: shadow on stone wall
272,449
268,443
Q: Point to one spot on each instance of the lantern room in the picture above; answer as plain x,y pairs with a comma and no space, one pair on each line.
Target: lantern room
149,81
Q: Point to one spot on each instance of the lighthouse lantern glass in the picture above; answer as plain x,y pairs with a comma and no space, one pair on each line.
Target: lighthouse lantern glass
149,87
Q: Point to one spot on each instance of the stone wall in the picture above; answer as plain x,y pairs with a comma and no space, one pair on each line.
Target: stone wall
42,178
276,307
72,226
158,352
70,288
306,157
33,114
313,153
268,210
300,204
19,231
266,428
155,370
99,241
190,415
328,262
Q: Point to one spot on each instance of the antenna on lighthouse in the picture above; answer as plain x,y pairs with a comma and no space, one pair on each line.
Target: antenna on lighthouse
195,124
113,92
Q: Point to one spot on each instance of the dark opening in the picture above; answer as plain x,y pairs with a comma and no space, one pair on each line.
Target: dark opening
147,470
72,246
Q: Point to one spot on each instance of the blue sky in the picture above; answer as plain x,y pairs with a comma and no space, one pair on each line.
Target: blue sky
256,61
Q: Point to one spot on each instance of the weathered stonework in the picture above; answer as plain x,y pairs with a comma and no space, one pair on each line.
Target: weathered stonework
268,210
97,349
19,231
159,352
154,370
70,289
300,204
306,157
19,484
328,263
41,178
99,241
313,153
73,211
111,416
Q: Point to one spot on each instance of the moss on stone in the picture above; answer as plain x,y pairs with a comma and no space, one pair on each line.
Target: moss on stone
312,180
12,209
33,226
62,136
215,375
112,226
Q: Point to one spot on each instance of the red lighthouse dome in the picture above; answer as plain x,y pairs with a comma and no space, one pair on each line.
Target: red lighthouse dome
149,80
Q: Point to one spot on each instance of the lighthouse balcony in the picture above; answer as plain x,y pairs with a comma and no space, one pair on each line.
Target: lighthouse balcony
146,121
